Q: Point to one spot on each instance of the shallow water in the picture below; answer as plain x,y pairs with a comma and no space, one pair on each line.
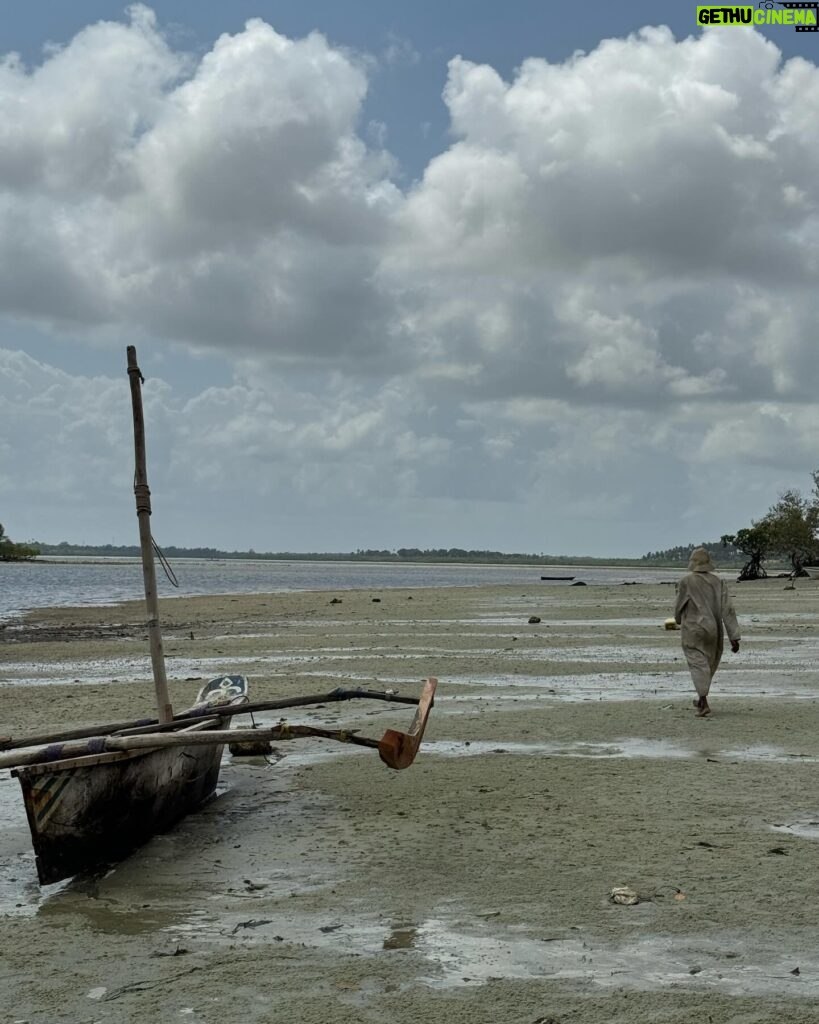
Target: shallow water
66,583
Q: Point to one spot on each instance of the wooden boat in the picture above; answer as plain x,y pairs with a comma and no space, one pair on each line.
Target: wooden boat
96,793
89,810
77,809
557,577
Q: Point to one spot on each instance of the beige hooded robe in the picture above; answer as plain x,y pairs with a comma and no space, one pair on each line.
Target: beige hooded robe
703,606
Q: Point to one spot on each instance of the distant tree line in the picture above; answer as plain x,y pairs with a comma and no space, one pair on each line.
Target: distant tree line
453,555
722,553
10,552
727,555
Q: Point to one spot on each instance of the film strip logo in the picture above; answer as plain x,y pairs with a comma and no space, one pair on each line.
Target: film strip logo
813,5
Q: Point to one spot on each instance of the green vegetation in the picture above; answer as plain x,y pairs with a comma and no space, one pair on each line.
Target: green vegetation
788,531
10,552
754,543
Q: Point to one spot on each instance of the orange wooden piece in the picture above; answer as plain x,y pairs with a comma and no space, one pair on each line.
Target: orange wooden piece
398,749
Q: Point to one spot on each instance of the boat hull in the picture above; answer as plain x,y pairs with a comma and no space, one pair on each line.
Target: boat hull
86,812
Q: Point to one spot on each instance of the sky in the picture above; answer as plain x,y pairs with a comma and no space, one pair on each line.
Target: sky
525,277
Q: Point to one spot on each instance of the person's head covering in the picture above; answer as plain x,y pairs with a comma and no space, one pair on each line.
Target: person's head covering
700,561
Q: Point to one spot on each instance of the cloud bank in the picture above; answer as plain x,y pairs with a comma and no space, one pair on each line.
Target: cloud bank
585,327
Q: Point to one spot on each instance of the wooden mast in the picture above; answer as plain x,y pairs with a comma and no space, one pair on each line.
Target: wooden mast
143,507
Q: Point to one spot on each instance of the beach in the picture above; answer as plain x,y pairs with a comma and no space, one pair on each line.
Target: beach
562,760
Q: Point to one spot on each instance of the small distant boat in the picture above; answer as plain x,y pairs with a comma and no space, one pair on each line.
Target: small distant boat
557,577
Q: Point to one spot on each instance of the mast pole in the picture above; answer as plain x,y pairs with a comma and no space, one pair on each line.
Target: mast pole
142,494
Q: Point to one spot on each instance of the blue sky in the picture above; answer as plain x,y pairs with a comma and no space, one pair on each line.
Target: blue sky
520,277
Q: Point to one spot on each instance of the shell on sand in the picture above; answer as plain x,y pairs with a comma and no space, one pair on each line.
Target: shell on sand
625,895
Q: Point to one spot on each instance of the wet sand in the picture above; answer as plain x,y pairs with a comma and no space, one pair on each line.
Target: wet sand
562,759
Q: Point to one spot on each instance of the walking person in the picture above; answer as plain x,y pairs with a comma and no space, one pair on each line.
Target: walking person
706,613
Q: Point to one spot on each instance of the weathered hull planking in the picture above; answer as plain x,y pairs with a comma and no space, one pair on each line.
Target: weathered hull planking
85,812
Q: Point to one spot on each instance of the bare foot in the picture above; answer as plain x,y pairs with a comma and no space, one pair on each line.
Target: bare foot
702,708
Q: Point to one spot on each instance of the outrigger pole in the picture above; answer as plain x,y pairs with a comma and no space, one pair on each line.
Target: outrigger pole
396,749
142,494
195,714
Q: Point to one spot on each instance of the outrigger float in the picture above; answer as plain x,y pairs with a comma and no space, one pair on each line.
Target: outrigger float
95,794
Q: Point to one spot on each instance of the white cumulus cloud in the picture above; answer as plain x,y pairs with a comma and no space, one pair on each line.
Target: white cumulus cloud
588,292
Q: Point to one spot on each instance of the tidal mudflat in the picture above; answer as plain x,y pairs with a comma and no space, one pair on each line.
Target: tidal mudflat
563,760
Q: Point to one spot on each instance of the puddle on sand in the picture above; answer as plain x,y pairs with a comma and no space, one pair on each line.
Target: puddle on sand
623,686
766,651
450,954
473,956
577,687
622,748
597,625
628,747
401,937
112,670
807,828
